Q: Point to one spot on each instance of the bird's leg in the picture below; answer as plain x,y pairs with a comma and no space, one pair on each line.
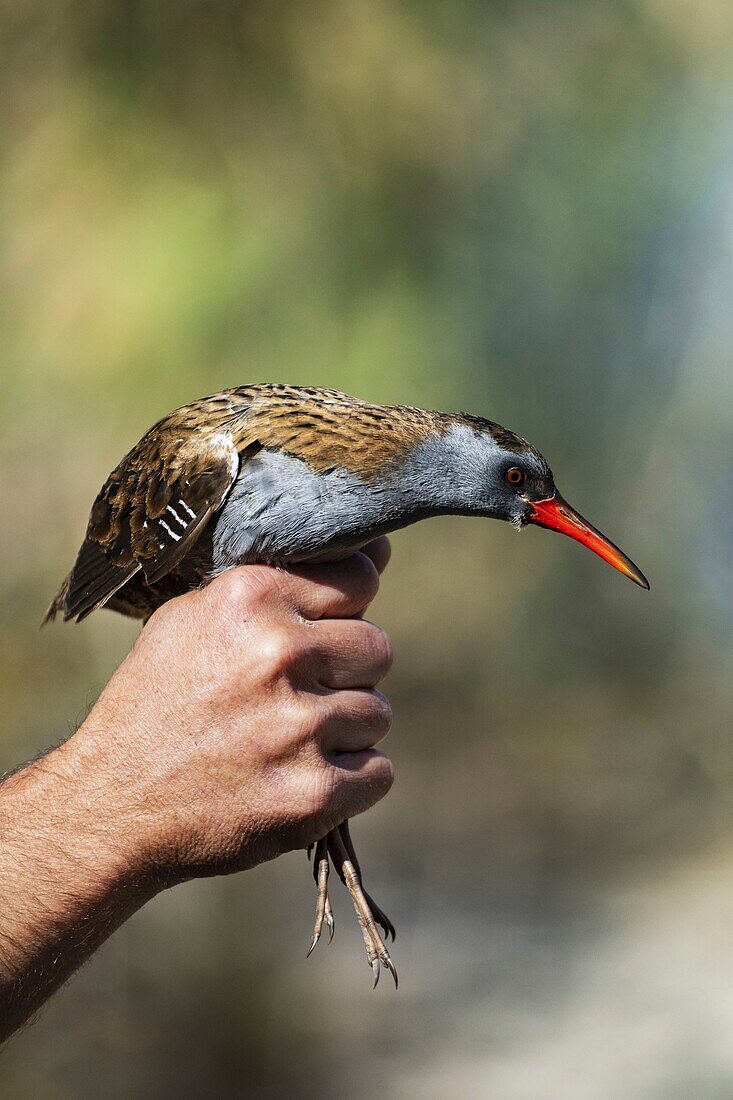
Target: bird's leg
376,950
323,902
380,917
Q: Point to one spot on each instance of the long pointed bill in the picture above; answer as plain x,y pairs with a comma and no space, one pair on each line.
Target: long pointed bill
556,515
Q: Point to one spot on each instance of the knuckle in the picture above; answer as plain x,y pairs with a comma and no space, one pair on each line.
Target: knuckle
276,651
241,590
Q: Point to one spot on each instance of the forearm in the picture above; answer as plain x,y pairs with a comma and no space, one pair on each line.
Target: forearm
67,872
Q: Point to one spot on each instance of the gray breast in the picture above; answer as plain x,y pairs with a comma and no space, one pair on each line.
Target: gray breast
280,510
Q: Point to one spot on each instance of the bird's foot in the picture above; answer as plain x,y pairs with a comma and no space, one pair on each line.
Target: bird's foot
338,848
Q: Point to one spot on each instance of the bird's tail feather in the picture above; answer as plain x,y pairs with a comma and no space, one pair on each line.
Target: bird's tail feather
58,603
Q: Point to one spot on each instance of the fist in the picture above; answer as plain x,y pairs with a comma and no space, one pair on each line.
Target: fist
244,721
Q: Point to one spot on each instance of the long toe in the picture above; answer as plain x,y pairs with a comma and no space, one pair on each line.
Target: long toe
323,902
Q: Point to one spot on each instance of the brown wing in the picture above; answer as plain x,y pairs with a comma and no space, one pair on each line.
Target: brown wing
148,514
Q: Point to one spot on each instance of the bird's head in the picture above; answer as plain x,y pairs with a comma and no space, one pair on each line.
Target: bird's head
521,489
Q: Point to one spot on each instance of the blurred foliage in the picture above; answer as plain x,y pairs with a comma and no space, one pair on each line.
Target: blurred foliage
523,209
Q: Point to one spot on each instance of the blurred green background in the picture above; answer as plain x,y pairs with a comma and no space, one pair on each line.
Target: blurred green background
522,209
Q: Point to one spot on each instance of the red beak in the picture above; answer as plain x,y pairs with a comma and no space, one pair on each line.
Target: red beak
556,515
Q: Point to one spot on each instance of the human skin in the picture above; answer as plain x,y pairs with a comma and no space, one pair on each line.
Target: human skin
241,725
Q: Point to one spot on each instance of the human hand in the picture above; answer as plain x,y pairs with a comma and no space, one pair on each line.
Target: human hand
243,722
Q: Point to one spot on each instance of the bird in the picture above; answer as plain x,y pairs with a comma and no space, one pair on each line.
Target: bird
282,474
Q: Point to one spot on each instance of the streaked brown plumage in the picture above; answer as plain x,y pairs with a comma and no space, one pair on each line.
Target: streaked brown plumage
194,454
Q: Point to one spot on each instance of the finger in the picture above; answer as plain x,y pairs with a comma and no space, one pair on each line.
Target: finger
353,721
349,653
380,551
332,591
358,780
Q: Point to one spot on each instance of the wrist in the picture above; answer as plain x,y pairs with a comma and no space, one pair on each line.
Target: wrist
68,874
108,801
67,813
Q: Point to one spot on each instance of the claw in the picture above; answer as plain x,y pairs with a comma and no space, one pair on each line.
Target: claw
389,965
313,944
375,971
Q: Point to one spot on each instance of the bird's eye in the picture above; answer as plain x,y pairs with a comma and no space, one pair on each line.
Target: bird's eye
514,475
